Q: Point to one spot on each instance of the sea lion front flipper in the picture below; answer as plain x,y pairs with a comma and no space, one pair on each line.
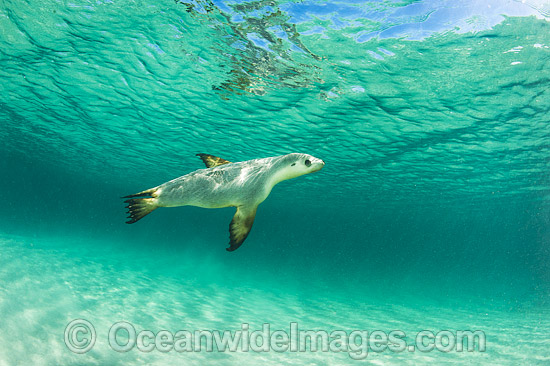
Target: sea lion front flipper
240,226
212,161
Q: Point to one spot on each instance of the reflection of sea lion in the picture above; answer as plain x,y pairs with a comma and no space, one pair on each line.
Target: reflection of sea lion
243,185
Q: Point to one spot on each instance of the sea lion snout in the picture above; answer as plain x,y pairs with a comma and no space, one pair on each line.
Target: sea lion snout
317,164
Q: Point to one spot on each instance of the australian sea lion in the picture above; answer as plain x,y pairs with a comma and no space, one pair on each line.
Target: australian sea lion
243,185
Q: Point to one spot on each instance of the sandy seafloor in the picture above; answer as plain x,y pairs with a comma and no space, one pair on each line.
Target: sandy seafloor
47,284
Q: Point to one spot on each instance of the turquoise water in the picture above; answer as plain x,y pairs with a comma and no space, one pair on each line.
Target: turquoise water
432,212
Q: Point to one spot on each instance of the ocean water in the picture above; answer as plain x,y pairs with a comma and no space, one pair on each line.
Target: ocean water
431,214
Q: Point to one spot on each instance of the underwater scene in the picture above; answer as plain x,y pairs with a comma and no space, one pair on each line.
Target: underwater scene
264,182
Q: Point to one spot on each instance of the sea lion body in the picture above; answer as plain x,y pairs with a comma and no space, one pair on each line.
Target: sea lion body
243,185
234,184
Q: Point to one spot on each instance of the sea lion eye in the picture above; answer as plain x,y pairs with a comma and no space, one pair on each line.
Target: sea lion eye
307,162
292,164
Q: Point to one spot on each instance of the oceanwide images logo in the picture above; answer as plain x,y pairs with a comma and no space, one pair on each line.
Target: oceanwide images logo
80,337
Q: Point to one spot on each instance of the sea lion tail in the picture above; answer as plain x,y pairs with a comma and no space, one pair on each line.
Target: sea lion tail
140,207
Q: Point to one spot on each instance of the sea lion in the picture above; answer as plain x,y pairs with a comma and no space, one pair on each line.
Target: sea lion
243,185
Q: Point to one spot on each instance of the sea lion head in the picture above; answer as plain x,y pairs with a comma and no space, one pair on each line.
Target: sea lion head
297,164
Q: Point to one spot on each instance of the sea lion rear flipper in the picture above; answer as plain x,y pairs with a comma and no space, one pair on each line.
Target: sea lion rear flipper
139,207
212,161
240,226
